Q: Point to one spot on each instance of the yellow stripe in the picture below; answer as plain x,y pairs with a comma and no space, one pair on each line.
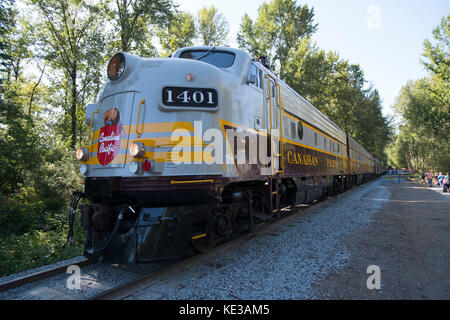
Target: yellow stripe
191,181
167,156
199,236
231,124
119,159
307,125
312,148
180,156
154,127
222,122
186,141
158,142
359,153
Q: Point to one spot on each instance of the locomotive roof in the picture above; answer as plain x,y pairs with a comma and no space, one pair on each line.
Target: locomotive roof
244,55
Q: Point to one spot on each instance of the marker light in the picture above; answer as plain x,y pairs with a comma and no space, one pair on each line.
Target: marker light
190,77
116,66
134,167
147,165
82,154
137,149
83,169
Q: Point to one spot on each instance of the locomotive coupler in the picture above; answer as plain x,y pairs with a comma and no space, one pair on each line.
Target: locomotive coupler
113,233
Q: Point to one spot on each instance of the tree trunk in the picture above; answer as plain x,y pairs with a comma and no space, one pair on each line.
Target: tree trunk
73,107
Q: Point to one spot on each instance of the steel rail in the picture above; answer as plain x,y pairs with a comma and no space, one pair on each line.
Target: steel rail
20,281
127,289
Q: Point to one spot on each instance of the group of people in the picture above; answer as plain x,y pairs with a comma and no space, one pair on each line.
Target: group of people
439,180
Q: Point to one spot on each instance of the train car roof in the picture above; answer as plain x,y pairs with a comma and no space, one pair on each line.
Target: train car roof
244,55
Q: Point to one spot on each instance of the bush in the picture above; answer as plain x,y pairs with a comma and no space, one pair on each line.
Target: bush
33,219
37,247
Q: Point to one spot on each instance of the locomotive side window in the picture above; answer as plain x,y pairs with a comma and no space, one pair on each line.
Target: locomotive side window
260,78
253,76
300,130
292,129
221,59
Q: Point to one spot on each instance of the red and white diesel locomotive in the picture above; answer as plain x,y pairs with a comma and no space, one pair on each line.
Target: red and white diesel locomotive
187,150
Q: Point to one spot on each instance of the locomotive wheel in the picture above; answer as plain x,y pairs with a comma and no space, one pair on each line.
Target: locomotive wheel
204,242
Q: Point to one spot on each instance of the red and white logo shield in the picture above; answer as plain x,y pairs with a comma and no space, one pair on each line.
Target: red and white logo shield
108,144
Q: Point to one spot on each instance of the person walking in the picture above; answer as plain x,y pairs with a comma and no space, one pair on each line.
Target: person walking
436,180
446,182
423,178
441,179
430,178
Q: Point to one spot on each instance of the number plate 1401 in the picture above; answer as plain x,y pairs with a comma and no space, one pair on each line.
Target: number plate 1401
189,97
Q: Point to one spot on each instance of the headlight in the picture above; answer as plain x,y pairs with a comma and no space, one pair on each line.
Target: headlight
116,66
82,154
137,149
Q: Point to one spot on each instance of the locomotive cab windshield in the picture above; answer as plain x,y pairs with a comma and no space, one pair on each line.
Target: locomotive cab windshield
218,58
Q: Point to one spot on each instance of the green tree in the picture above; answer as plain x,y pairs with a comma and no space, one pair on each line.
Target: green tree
424,107
180,33
132,21
437,56
212,27
278,29
72,43
426,119
6,24
337,88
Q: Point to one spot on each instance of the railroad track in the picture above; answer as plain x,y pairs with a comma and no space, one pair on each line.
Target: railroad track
165,270
128,289
125,290
39,275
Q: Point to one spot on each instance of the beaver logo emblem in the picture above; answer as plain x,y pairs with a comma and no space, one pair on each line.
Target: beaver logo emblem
109,138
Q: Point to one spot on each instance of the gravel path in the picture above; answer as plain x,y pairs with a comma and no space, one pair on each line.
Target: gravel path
282,262
410,242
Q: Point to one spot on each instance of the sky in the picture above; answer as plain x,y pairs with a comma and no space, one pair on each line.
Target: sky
384,36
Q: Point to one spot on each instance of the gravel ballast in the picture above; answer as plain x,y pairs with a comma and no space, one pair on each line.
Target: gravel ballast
282,262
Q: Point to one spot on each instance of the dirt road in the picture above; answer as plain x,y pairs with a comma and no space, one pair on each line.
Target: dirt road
410,242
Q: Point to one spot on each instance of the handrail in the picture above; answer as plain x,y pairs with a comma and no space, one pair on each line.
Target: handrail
270,132
281,103
137,122
92,122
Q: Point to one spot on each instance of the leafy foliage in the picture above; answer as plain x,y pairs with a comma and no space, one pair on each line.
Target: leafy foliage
437,56
6,24
130,21
69,42
282,32
208,28
278,29
180,33
37,247
70,36
212,27
424,106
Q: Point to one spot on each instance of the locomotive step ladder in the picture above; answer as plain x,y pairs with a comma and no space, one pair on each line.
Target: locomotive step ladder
273,197
276,157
